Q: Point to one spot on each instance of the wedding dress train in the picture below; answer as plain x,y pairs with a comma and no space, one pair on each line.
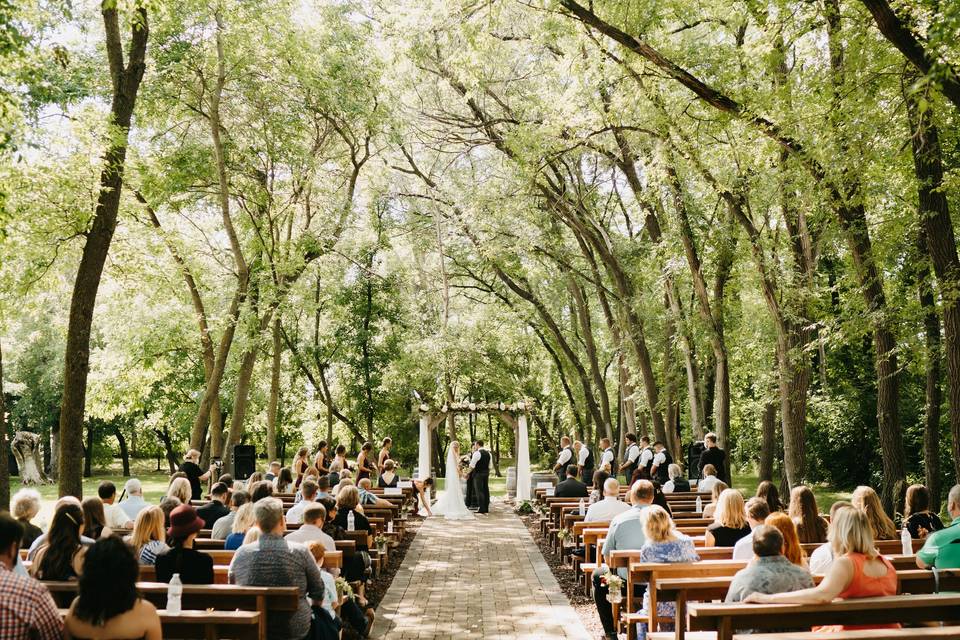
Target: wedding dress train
450,503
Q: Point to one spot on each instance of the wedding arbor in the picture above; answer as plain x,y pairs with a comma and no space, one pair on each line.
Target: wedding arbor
514,415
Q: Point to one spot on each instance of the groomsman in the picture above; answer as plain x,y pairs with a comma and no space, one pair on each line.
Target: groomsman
646,454
584,462
608,458
632,456
565,458
480,476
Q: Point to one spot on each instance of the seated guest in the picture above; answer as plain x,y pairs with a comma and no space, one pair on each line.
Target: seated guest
60,555
148,537
354,567
194,567
344,482
866,499
255,478
757,512
311,529
65,500
640,473
323,487
389,477
242,522
917,517
334,476
660,499
309,490
611,506
857,572
942,548
134,502
625,533
25,506
811,528
599,479
676,482
116,518
224,525
273,472
767,491
167,505
252,535
27,611
718,487
350,610
571,487
273,562
770,572
217,507
261,490
822,556
284,481
709,479
94,519
792,550
180,489
663,544
367,497
107,604
729,521
347,502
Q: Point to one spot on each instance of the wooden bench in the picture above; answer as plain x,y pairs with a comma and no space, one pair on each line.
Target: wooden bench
922,633
727,618
224,597
207,625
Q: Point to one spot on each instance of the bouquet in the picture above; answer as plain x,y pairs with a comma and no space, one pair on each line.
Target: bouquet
344,589
563,534
381,541
614,584
524,508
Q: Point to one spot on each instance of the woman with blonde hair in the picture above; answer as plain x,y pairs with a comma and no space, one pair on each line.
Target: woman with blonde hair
718,487
792,550
857,572
148,538
729,521
866,499
663,544
242,522
811,527
180,489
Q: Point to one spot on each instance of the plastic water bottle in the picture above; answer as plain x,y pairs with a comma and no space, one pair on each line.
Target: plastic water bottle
351,521
583,508
390,527
699,505
907,541
174,594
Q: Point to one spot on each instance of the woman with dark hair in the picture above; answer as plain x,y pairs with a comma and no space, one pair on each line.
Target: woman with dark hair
108,605
194,567
660,499
95,519
811,528
365,466
767,491
322,462
384,453
300,465
285,481
599,477
260,490
60,557
917,517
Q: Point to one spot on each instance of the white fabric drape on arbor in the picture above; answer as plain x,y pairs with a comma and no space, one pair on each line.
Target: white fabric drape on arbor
523,459
423,460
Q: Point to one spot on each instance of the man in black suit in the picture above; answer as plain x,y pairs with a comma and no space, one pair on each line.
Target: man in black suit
480,476
714,455
571,487
216,508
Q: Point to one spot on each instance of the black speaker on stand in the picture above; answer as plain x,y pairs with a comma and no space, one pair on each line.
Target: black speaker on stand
244,461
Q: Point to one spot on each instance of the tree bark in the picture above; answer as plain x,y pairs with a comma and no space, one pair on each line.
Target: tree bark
124,452
274,401
582,312
937,226
768,442
126,83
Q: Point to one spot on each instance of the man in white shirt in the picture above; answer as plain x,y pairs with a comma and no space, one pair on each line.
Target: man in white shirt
757,512
308,488
313,518
116,517
632,456
611,505
564,459
584,462
710,478
134,503
607,457
646,453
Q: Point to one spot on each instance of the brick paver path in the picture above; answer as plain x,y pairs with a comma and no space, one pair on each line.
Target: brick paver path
483,578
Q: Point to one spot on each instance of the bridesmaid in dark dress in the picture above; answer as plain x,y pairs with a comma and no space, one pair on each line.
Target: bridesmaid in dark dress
300,465
322,462
365,466
384,453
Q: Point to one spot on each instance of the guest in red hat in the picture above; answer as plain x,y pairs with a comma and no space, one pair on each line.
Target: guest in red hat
194,567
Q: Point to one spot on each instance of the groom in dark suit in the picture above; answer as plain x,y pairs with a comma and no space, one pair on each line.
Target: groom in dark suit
480,476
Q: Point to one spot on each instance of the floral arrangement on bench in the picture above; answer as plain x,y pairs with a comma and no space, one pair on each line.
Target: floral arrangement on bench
614,584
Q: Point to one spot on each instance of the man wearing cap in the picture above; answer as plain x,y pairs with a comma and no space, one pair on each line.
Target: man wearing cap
194,567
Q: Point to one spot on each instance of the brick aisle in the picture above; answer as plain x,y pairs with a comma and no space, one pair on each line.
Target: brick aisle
475,579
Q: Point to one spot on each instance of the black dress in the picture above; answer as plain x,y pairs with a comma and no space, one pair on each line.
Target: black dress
30,533
194,567
923,520
727,536
384,484
193,472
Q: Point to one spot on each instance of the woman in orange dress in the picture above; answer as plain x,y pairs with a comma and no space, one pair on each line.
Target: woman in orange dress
858,571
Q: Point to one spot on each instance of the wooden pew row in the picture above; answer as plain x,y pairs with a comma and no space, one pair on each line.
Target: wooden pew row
263,600
207,625
725,619
922,633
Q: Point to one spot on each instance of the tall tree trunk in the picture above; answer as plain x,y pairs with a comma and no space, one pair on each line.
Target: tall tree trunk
935,220
582,313
933,394
126,84
4,445
124,452
240,402
88,449
274,401
768,441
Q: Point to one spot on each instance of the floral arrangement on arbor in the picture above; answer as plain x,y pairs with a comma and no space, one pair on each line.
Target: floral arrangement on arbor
519,406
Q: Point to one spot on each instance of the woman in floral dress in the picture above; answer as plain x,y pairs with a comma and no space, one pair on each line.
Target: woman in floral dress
664,544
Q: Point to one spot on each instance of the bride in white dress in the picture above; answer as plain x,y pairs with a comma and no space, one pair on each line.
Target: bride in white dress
451,503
